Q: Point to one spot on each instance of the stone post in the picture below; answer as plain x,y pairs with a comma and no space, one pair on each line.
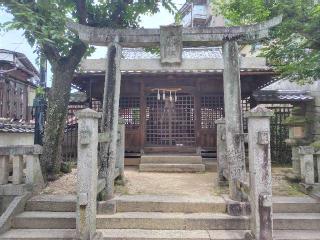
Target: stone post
260,172
4,169
296,160
233,115
121,148
17,173
109,123
307,164
87,174
221,150
317,155
33,171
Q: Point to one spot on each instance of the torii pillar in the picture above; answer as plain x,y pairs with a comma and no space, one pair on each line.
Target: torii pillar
235,152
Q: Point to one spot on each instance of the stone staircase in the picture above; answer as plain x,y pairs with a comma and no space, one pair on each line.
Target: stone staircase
163,218
171,163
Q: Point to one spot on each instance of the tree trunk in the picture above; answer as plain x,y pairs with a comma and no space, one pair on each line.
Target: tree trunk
55,120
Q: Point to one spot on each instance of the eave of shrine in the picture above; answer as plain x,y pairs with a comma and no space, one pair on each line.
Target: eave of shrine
248,64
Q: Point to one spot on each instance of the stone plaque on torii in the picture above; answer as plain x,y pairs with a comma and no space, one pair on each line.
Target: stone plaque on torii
171,39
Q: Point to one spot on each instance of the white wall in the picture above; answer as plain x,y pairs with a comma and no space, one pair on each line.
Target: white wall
16,139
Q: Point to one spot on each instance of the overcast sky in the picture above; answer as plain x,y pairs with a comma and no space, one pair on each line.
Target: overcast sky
14,40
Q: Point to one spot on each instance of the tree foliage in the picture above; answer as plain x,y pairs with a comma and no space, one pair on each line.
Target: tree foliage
44,26
294,46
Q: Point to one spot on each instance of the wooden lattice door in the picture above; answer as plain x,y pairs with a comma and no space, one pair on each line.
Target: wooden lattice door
170,123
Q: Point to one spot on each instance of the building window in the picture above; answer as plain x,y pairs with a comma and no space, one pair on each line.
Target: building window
129,110
212,108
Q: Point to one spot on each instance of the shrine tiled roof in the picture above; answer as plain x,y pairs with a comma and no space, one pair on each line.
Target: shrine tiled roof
187,53
78,97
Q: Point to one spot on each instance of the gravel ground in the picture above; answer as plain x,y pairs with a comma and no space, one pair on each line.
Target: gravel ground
186,184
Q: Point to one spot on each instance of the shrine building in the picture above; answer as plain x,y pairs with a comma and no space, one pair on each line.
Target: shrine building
172,108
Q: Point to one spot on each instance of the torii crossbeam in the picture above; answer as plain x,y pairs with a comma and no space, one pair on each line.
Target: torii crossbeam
191,37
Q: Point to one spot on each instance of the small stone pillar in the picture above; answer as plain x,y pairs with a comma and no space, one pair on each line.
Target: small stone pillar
295,160
121,147
317,155
221,150
4,169
233,115
17,173
260,172
33,171
307,164
87,174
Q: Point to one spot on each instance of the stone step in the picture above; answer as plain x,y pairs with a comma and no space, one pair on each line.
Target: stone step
172,221
296,235
39,234
166,167
296,221
153,203
45,220
140,234
171,158
52,203
295,205
147,203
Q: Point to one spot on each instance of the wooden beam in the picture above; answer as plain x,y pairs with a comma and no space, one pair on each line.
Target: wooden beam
141,37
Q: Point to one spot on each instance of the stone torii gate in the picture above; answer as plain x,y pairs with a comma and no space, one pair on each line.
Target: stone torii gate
171,40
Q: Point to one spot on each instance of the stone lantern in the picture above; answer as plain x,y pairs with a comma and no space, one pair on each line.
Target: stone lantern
297,135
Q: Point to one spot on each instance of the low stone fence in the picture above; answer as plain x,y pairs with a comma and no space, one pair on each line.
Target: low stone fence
17,160
258,190
88,184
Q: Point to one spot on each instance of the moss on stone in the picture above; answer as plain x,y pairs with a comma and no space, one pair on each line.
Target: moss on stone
295,120
316,145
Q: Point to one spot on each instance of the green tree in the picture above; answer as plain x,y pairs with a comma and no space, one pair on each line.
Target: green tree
44,26
294,46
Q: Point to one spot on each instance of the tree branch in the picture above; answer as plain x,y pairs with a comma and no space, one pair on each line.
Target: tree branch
51,52
76,53
81,11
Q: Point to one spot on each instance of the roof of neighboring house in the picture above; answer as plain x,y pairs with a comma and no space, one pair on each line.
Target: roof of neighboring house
287,91
11,61
285,84
282,96
15,127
